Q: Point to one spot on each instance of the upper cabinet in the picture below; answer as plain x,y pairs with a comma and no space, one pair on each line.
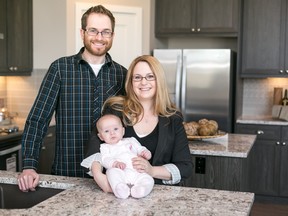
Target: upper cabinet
197,17
16,44
264,46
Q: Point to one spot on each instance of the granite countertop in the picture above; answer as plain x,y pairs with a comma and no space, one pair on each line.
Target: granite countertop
229,145
82,197
269,120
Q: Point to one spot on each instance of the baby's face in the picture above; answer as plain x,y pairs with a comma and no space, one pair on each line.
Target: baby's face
111,131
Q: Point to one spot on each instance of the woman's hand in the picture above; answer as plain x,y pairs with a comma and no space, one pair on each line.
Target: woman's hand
100,178
28,180
142,165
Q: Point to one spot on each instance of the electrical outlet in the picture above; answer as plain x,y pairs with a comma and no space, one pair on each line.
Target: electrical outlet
200,165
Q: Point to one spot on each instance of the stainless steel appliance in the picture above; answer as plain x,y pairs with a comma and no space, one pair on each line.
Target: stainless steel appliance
10,148
200,83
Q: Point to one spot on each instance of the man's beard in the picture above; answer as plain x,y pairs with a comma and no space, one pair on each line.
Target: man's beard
97,52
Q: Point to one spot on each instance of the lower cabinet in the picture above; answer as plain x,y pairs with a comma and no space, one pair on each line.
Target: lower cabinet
218,172
47,152
268,161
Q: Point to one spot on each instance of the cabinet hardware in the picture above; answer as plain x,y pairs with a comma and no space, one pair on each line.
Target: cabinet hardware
281,71
13,68
286,71
277,143
1,36
198,29
284,143
259,132
192,29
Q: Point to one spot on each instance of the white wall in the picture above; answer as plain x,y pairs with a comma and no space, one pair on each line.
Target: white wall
54,27
54,37
49,31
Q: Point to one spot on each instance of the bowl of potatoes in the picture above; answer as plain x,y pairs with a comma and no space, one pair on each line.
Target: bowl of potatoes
202,129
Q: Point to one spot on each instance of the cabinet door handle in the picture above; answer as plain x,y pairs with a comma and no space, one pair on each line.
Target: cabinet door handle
2,36
13,68
281,71
286,71
198,29
284,143
259,132
192,29
277,143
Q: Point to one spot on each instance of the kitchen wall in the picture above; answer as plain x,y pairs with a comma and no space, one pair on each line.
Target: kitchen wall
3,90
258,95
54,36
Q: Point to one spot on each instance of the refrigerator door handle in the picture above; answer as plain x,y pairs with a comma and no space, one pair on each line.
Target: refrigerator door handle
183,87
178,82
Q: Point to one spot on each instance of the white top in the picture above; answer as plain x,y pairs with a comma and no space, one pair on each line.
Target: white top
123,151
96,68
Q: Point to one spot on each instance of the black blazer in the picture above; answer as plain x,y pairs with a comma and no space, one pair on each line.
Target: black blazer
172,146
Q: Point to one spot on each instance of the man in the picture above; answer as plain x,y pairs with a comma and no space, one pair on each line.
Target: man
75,87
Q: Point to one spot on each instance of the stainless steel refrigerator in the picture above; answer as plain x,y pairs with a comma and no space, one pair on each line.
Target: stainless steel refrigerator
201,83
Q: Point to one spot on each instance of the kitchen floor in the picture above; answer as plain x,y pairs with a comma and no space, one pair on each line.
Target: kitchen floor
269,207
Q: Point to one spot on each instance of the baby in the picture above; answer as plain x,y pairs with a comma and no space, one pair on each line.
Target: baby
116,155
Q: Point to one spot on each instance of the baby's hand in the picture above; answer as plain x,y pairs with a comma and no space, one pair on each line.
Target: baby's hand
146,154
119,165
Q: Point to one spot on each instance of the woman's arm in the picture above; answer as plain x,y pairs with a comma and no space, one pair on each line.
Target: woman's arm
100,178
180,165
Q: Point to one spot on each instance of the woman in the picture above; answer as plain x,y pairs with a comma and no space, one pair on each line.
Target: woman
153,120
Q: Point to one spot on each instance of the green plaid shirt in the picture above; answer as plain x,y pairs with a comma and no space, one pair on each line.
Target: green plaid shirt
71,89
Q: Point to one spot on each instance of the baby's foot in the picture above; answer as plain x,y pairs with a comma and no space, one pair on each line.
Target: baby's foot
122,191
139,191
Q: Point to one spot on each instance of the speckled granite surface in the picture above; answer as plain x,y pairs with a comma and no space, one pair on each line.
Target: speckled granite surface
269,120
230,145
83,197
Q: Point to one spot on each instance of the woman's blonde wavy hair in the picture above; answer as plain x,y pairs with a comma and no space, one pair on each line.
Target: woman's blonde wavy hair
130,106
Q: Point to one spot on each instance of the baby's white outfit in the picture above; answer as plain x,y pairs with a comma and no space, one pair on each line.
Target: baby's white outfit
127,181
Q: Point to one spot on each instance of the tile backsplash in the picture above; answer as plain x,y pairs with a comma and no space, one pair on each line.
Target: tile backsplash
258,95
20,92
3,89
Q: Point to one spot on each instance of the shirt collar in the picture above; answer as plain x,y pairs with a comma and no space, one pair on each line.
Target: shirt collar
79,59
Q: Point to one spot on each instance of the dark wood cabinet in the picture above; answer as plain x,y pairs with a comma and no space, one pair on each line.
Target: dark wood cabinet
199,17
47,152
221,173
268,161
283,191
264,44
16,34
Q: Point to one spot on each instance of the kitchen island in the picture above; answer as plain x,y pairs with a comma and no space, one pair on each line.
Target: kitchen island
82,197
229,145
221,163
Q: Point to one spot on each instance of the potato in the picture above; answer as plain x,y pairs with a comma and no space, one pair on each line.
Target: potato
191,128
214,123
203,121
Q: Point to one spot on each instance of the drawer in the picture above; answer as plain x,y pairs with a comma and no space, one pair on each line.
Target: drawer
267,132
